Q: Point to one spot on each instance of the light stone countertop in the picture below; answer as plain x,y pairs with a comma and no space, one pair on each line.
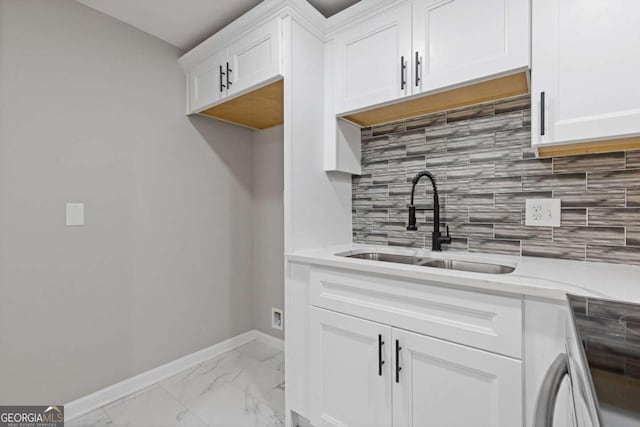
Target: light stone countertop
535,277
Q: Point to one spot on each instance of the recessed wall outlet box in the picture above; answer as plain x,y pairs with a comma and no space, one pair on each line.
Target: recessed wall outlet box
543,212
276,319
75,214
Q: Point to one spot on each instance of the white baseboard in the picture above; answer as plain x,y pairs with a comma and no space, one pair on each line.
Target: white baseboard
124,388
269,340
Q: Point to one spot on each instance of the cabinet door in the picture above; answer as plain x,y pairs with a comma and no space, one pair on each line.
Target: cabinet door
446,384
350,387
373,59
254,58
206,83
463,40
586,61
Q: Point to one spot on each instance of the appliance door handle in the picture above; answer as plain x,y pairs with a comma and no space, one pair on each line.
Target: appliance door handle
546,404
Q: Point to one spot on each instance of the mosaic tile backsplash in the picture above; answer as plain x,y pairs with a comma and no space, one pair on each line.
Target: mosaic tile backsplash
485,167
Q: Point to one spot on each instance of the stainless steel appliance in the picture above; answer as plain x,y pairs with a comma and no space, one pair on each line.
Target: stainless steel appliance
602,363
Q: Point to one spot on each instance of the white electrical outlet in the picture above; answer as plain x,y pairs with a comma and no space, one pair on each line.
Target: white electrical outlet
276,319
543,212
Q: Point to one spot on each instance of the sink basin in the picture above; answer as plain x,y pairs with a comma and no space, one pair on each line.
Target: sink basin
379,256
449,264
475,267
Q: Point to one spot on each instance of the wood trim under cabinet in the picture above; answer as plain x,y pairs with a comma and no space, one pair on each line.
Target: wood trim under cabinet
262,108
476,93
593,147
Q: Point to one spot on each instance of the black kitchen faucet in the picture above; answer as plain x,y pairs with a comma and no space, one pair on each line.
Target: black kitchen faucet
437,239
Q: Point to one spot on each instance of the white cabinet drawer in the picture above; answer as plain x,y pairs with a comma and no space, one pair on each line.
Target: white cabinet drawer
486,321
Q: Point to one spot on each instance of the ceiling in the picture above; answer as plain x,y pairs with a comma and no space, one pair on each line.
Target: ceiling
331,7
185,23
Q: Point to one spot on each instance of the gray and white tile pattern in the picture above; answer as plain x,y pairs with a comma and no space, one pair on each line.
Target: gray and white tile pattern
241,388
485,167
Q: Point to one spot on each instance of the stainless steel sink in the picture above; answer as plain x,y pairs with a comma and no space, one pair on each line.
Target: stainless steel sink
449,264
475,267
379,256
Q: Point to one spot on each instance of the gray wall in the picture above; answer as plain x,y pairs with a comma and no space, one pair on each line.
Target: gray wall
486,169
92,110
268,227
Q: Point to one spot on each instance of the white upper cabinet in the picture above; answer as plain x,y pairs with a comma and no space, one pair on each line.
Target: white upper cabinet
446,384
350,371
425,45
372,59
399,50
586,63
456,41
255,57
249,60
207,81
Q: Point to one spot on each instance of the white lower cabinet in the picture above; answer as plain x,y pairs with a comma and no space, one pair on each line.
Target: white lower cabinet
446,384
369,374
350,371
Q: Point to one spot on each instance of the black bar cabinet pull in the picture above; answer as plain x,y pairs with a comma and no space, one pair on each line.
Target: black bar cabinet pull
403,68
229,71
417,69
542,113
398,367
380,361
222,73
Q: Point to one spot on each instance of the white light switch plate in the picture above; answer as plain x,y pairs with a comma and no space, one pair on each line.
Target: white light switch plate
543,212
75,213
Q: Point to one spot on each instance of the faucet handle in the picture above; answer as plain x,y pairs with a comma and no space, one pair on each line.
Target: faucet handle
412,219
447,239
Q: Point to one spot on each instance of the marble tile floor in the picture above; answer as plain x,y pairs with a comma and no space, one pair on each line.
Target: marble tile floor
241,388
